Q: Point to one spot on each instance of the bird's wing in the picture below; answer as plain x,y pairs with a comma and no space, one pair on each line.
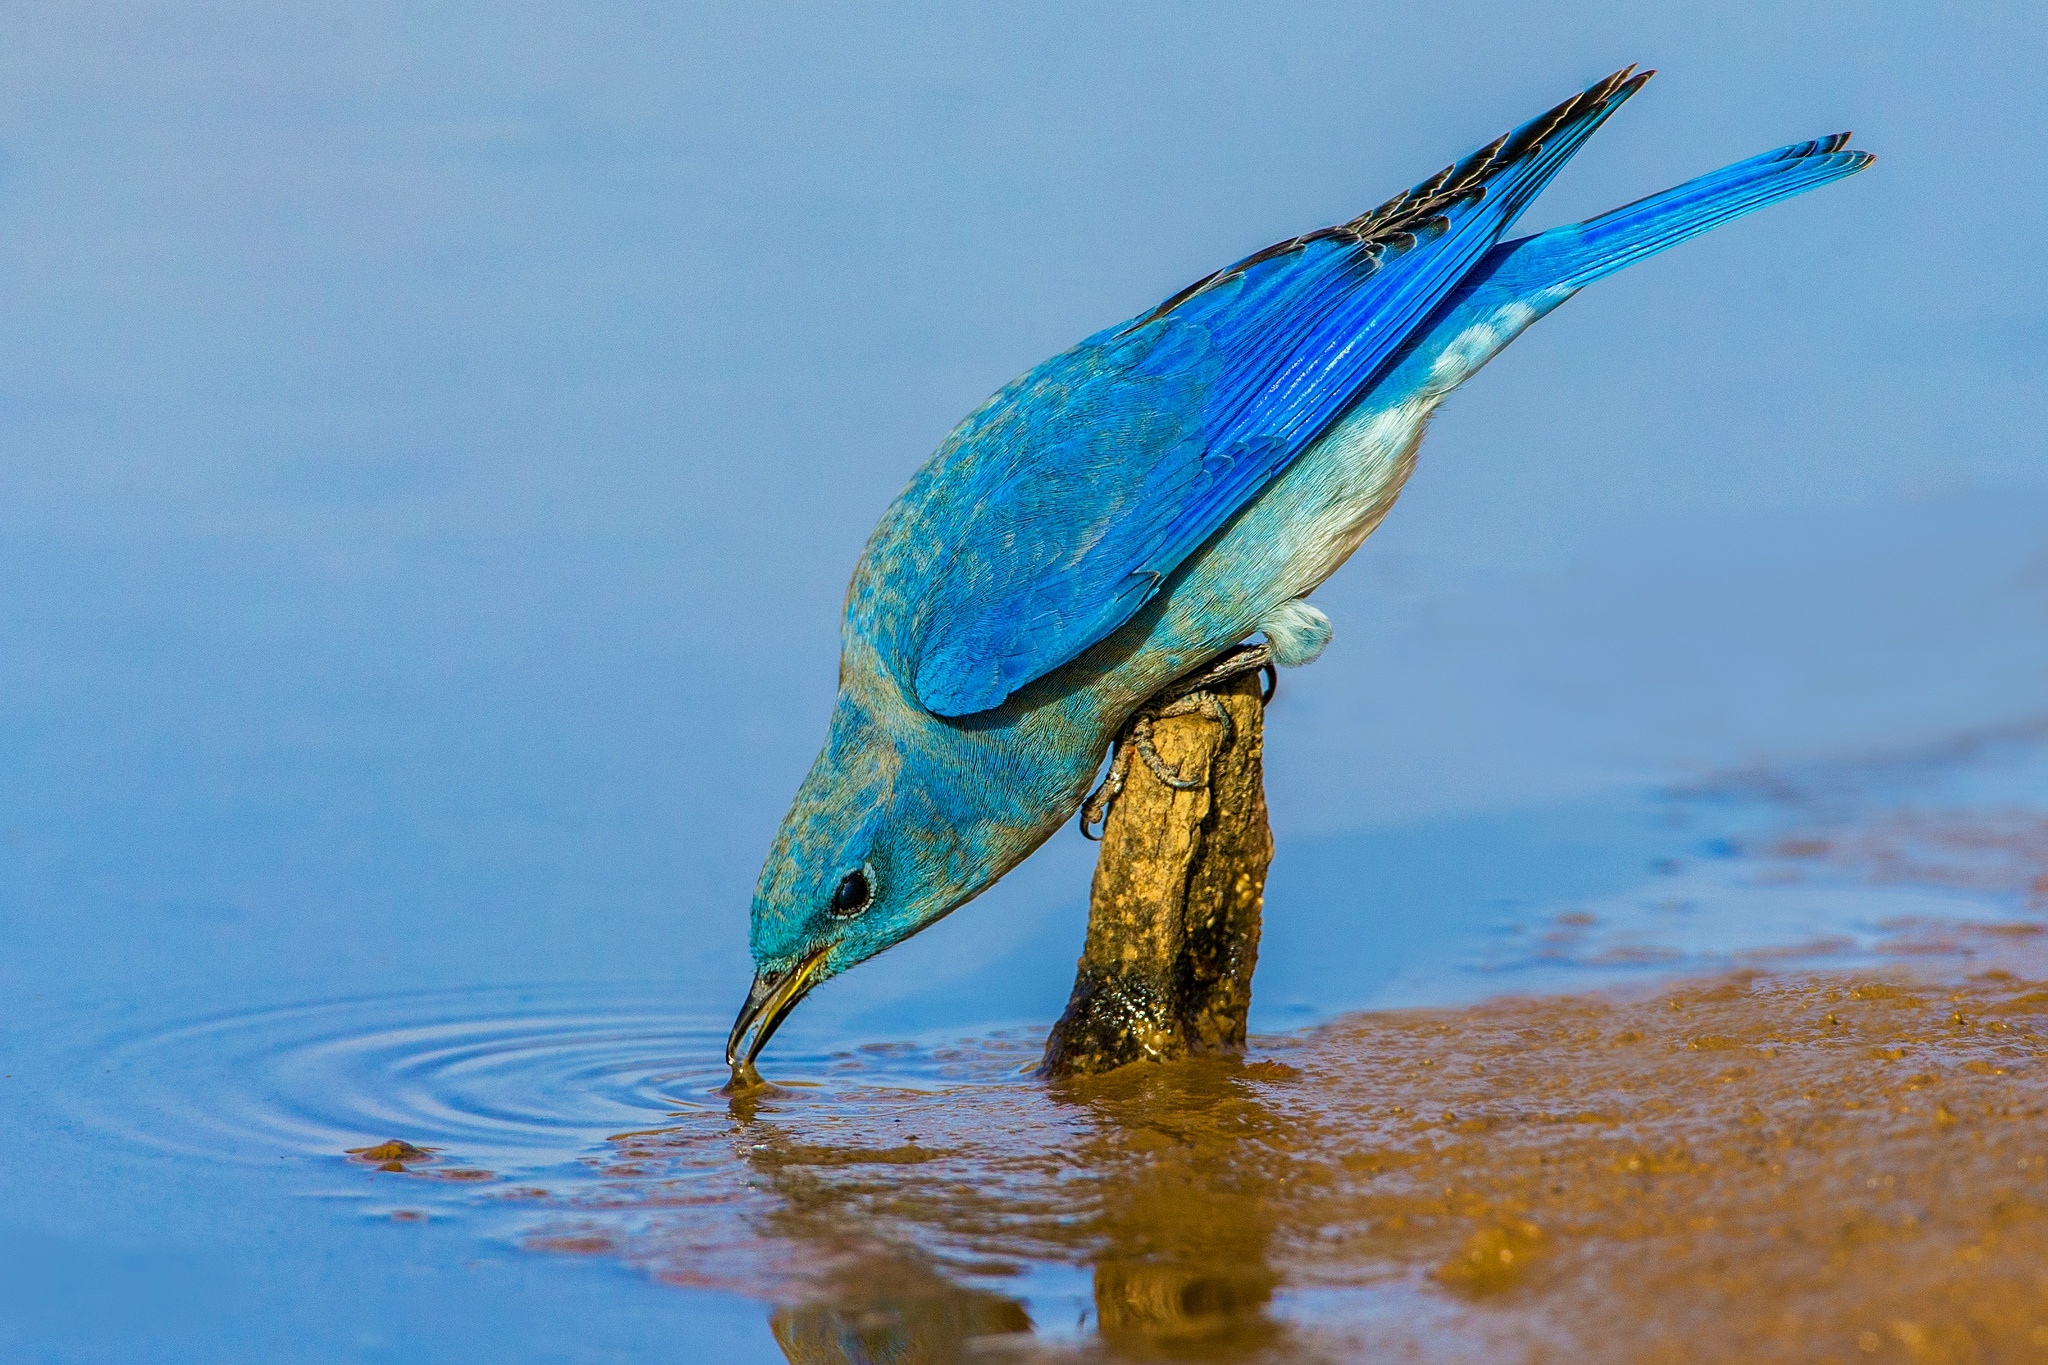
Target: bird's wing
1085,483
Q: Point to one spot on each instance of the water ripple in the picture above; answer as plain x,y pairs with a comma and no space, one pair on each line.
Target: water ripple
513,1078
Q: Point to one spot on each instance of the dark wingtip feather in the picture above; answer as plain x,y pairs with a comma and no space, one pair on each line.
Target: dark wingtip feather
1417,210
1837,145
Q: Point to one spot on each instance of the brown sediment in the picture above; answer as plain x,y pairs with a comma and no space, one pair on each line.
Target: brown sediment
400,1156
1999,851
574,1246
392,1149
1753,1167
1173,913
393,1154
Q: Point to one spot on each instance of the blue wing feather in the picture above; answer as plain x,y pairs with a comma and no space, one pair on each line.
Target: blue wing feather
1082,486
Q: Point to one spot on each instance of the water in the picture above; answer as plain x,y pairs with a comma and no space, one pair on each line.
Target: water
515,1079
211,1015
431,460
925,1181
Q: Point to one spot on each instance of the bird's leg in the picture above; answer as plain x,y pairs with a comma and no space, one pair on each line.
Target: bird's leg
1185,696
1095,810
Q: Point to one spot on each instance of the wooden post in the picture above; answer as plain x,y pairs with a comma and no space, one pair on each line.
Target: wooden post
1173,915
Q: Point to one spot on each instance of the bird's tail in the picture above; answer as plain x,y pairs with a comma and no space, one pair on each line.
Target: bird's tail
1574,256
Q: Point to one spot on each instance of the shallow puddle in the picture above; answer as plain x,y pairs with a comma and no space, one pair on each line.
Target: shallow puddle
1751,1167
1781,1097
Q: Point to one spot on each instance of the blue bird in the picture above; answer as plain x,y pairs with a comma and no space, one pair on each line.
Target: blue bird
1140,504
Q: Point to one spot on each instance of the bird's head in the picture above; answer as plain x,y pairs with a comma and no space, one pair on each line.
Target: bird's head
878,844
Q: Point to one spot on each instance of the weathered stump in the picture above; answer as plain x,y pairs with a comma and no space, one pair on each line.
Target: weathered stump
1173,915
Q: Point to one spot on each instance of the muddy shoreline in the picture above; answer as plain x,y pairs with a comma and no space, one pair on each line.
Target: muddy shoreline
1754,1166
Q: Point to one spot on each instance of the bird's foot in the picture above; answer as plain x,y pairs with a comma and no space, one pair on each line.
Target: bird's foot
1239,660
1139,735
1188,696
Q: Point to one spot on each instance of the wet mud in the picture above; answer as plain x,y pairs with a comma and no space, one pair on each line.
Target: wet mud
1795,1167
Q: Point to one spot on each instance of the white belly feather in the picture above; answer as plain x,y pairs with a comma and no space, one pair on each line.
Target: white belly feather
1348,481
1340,489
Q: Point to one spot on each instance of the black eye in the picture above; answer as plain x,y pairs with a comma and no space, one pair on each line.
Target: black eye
853,894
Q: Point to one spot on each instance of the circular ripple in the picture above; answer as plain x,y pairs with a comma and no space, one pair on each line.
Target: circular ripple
507,1078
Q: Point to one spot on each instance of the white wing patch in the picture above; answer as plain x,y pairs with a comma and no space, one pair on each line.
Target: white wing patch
1466,352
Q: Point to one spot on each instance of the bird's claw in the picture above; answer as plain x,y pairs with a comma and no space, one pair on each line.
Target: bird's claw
1095,810
1192,695
1193,703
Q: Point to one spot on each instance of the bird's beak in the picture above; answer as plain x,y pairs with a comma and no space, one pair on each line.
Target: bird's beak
774,995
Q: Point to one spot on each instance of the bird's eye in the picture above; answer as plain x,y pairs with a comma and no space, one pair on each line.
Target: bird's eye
853,894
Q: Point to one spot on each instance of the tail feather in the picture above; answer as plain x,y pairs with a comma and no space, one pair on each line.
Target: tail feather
1574,256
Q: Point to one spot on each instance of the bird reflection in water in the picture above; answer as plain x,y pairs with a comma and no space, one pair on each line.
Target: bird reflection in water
1156,1177
894,1312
